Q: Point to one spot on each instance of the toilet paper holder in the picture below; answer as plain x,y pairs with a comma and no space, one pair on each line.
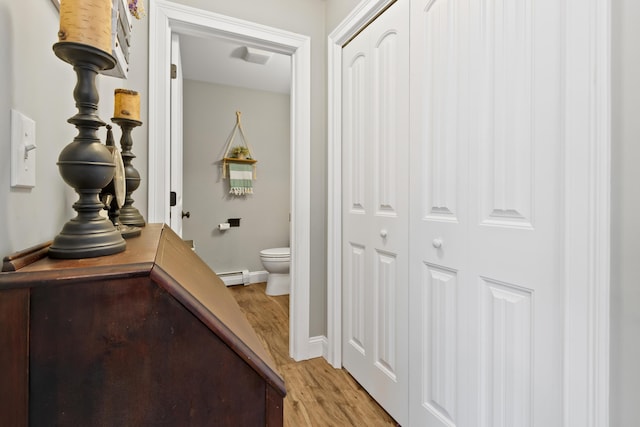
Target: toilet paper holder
231,222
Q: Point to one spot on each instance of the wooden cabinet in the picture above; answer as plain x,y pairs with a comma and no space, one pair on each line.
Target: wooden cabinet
147,337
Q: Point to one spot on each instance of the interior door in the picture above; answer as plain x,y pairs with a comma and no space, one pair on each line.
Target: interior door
176,136
375,208
486,213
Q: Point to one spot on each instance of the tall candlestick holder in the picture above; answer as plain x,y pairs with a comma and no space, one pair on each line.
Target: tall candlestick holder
113,194
129,215
86,164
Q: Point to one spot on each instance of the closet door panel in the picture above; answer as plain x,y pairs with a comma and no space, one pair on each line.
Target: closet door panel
439,342
440,92
439,215
505,112
354,299
356,131
357,210
486,245
375,208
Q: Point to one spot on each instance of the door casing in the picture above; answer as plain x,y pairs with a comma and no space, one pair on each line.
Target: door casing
166,17
587,187
176,136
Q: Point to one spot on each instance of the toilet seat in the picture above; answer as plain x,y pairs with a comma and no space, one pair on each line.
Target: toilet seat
276,253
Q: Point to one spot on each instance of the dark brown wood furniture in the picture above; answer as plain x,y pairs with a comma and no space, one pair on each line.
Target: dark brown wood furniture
146,337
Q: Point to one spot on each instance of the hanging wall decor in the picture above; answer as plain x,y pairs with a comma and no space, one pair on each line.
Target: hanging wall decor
239,160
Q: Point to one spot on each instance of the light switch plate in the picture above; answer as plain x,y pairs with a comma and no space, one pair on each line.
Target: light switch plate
23,151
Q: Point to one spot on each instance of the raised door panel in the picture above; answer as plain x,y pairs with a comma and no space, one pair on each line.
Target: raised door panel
439,343
440,92
357,133
389,155
385,315
505,112
354,299
506,355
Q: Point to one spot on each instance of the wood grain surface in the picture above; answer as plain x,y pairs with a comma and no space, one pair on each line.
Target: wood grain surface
317,394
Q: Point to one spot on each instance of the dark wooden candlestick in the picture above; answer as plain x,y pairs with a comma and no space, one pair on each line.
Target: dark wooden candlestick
111,197
129,215
86,164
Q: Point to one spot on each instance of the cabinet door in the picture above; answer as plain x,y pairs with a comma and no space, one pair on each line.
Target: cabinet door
486,213
375,208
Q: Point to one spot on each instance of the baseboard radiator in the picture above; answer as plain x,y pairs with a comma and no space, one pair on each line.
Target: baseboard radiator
242,277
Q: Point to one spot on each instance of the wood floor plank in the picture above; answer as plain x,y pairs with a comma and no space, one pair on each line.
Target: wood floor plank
317,394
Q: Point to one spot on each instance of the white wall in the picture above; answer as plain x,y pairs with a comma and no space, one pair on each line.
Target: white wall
209,119
625,211
38,84
337,10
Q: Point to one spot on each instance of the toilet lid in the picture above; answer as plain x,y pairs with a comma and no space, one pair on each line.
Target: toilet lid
276,252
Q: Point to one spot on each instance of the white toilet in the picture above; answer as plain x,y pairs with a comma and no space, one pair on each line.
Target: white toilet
276,262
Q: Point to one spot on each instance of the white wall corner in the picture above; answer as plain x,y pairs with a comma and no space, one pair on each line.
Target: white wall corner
317,347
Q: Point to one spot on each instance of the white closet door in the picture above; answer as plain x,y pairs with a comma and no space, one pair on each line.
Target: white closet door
375,209
486,213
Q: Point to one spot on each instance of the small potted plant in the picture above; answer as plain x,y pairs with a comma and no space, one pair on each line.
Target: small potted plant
240,152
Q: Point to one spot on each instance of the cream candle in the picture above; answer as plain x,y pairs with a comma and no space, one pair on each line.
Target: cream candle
87,22
127,104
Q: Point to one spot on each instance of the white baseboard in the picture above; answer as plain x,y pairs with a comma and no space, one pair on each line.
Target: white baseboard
238,278
318,347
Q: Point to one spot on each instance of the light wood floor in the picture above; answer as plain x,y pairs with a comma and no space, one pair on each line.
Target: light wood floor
317,394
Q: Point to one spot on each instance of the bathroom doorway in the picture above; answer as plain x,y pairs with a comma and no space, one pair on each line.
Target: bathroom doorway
167,18
222,87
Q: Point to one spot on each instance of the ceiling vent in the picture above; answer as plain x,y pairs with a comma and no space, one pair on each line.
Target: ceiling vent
256,56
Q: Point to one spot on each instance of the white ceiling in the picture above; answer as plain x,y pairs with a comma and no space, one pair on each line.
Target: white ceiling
220,61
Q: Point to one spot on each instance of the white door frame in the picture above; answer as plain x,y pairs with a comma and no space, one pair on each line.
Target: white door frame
175,220
587,185
166,17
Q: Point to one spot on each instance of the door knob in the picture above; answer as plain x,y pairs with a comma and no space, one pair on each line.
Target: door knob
187,214
383,233
437,243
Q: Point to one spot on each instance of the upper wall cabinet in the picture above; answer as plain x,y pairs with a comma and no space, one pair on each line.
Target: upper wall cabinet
120,35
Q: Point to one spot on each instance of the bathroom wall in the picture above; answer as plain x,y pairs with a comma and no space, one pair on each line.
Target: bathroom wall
209,118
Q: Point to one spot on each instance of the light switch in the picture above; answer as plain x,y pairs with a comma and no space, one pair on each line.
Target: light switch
23,150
